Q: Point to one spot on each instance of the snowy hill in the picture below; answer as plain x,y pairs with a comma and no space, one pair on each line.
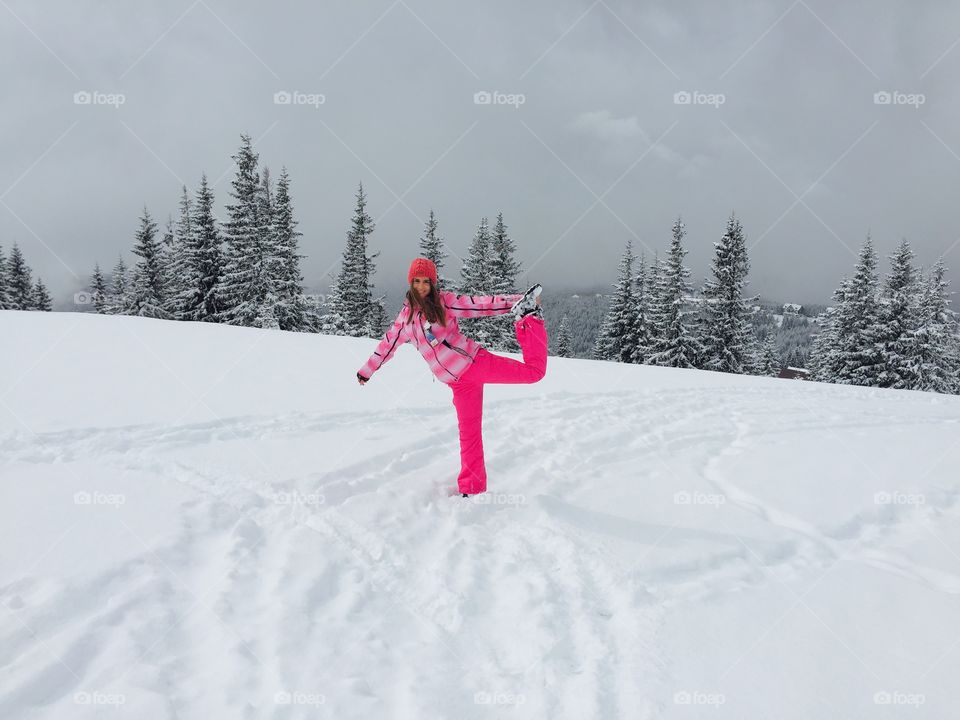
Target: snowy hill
203,521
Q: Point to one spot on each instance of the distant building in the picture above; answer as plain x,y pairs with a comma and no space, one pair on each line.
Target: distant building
792,309
794,373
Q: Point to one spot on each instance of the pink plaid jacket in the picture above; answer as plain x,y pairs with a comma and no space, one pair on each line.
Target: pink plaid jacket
447,351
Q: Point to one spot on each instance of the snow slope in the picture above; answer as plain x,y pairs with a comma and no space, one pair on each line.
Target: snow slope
211,522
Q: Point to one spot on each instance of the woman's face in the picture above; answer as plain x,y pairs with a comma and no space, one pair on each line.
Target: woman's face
422,285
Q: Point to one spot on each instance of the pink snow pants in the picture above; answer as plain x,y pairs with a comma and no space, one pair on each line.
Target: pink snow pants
468,395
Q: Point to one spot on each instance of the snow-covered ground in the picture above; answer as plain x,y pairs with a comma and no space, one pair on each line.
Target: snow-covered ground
202,521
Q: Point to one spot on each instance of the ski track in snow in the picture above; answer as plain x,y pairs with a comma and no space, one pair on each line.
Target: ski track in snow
577,636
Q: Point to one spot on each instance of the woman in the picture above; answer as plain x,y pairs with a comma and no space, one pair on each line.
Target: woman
429,319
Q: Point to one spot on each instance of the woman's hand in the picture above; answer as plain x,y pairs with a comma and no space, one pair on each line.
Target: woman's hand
361,379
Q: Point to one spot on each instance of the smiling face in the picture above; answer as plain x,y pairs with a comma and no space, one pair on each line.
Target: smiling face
422,285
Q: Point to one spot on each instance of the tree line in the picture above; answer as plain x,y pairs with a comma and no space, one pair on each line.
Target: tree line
245,271
899,334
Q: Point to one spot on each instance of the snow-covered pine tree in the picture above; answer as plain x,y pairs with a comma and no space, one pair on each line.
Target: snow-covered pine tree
899,320
19,283
476,278
655,305
203,260
676,345
642,336
168,253
768,363
5,303
563,339
825,353
118,300
620,324
431,247
728,334
504,271
178,270
147,284
271,262
40,298
244,282
350,310
98,290
936,365
475,272
859,360
602,345
292,310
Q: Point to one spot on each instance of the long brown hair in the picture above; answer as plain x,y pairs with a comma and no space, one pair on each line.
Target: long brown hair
431,305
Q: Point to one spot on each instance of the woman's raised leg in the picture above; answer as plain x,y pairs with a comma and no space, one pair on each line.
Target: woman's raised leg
532,336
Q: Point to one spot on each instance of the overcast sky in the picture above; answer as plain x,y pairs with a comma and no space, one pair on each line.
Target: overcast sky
585,148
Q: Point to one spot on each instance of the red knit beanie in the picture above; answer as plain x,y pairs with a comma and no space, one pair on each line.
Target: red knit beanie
422,267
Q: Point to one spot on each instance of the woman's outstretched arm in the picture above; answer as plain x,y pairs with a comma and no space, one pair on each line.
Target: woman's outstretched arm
395,336
468,306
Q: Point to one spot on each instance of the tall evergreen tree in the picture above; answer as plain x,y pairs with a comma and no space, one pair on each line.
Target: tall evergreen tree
898,322
19,283
119,301
272,263
351,309
477,279
203,260
654,305
768,363
504,272
728,333
858,357
98,290
148,289
245,282
676,344
40,298
178,271
293,312
431,247
825,353
603,348
620,325
504,267
563,339
642,337
936,363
